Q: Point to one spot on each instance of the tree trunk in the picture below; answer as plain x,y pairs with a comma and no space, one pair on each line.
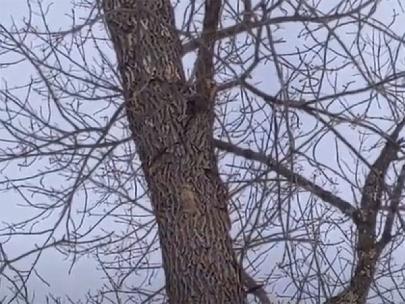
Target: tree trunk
174,139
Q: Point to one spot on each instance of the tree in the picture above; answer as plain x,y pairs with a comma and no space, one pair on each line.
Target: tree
238,147
172,126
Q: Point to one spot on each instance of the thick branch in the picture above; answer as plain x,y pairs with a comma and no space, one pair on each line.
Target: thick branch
345,207
254,288
374,184
393,209
205,57
368,249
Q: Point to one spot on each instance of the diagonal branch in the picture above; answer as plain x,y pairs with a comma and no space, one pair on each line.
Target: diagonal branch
392,209
345,207
367,248
254,288
374,183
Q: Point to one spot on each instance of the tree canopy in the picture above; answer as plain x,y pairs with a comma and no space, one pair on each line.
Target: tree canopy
298,103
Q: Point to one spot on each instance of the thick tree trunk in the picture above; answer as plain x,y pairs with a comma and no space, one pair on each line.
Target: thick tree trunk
173,135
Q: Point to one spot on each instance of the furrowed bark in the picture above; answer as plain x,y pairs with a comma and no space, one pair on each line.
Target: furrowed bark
175,145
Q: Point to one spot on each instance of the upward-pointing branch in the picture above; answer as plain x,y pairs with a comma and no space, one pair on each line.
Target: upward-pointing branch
368,249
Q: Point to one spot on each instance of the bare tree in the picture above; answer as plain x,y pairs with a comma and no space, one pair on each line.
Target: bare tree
245,151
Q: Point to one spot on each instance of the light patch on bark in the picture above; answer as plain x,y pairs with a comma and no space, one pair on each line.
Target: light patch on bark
189,199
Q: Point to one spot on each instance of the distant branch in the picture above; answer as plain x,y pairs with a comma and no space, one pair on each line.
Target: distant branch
246,25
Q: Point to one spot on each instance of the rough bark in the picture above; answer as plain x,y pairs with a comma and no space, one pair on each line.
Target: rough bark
369,249
174,142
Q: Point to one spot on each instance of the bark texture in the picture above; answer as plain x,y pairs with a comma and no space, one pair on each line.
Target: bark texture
172,126
369,248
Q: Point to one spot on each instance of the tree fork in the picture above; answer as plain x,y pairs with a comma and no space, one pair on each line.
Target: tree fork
187,194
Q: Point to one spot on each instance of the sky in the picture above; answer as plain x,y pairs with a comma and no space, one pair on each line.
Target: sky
54,267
